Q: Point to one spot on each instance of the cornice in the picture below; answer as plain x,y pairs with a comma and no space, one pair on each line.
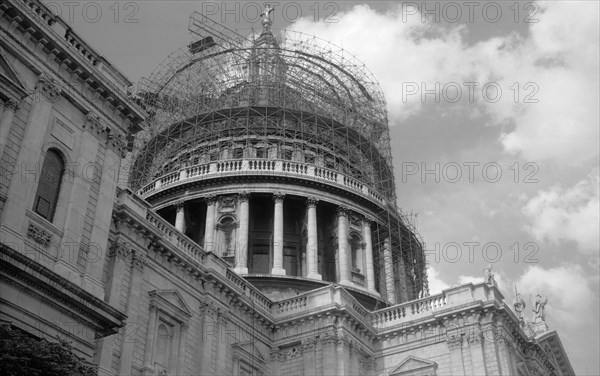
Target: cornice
35,277
63,45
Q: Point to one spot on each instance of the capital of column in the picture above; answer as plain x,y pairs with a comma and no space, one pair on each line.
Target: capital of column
121,250
117,143
367,220
342,211
48,87
312,201
140,260
244,196
278,196
180,205
211,199
11,105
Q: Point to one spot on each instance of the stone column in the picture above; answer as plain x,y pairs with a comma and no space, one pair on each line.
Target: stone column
10,107
209,229
223,345
475,340
149,345
455,343
183,328
366,233
135,286
241,248
102,222
210,338
343,246
312,245
122,254
278,235
180,218
388,271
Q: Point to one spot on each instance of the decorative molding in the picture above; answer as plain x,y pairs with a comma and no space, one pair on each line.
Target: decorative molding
454,341
355,219
227,203
92,122
210,199
117,143
48,87
121,250
12,105
140,260
342,211
312,201
39,235
209,308
179,205
222,316
243,196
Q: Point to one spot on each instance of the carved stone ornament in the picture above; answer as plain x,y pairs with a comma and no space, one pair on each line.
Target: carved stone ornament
180,205
342,211
11,105
121,250
117,143
227,202
39,235
210,199
49,88
312,201
209,308
454,341
140,260
244,196
278,196
355,219
93,123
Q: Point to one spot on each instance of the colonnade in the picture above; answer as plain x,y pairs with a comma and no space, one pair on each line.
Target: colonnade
344,259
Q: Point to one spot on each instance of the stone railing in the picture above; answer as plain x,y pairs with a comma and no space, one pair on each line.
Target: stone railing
409,311
293,304
260,167
176,238
249,290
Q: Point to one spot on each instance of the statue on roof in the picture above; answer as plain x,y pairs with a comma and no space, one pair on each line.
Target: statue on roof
488,276
519,305
539,308
266,21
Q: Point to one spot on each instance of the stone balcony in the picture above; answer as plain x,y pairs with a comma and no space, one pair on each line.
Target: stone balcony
262,167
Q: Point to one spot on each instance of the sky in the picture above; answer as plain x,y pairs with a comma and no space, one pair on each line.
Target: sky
494,120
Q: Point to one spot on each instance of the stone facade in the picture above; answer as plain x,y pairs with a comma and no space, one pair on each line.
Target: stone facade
164,280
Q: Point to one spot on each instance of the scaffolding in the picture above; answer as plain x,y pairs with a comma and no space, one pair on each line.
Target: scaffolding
287,96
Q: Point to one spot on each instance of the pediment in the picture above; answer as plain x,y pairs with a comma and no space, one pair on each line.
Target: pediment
248,350
413,364
171,302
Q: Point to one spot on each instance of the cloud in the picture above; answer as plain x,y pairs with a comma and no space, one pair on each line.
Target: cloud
555,64
571,214
570,298
436,284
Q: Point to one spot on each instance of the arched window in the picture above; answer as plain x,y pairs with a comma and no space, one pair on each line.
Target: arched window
163,339
48,189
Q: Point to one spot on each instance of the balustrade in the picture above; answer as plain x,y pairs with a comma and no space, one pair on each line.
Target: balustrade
262,165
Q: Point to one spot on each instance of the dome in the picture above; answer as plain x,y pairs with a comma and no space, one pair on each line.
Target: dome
248,135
